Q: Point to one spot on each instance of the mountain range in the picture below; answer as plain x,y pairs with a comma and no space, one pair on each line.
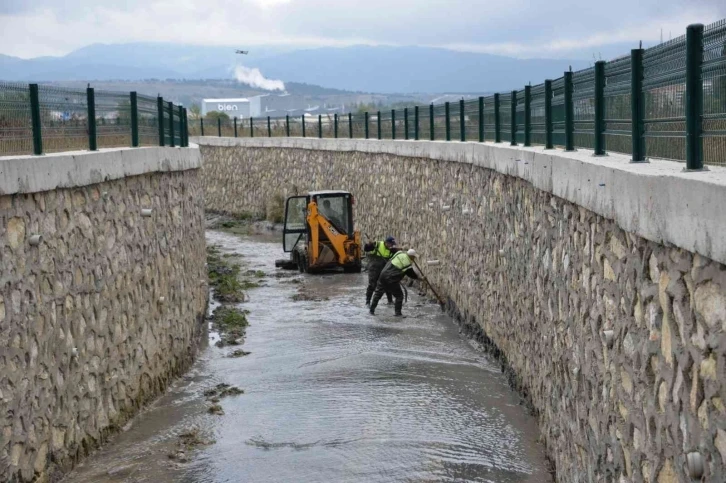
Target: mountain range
384,69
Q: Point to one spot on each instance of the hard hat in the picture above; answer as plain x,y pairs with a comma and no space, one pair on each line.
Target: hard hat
390,239
411,252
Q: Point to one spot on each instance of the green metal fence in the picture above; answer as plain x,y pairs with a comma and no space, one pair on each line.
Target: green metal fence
37,119
617,106
713,71
668,101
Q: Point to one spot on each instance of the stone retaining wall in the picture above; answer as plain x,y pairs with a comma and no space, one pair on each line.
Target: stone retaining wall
618,341
108,307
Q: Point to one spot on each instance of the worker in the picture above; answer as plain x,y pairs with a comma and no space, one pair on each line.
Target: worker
378,253
400,265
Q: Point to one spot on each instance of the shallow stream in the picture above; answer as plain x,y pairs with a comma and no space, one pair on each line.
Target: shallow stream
332,394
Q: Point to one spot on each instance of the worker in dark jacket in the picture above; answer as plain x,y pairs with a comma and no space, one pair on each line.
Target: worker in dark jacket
378,254
399,266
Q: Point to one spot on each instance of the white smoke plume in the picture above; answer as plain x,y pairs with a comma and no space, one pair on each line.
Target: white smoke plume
254,78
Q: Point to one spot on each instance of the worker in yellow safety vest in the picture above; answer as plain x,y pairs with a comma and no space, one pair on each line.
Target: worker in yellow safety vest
399,266
378,253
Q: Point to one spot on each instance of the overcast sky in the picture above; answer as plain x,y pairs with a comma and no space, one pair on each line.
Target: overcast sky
520,28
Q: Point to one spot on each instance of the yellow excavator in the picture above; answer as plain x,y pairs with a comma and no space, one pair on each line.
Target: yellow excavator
319,233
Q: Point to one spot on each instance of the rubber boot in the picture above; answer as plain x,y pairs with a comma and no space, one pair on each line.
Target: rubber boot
374,303
369,294
398,307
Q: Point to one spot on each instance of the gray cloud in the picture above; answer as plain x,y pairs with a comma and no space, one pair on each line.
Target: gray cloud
555,28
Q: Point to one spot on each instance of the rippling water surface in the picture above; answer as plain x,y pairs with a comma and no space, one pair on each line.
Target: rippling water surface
333,394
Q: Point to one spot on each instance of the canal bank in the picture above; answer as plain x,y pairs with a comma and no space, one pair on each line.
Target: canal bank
331,394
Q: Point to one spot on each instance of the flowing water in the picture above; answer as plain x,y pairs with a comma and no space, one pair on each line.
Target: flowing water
332,394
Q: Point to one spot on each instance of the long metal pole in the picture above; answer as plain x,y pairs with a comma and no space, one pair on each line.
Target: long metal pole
527,115
36,122
513,120
694,97
637,104
599,108
91,97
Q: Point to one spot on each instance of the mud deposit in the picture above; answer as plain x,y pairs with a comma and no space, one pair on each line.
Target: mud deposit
328,393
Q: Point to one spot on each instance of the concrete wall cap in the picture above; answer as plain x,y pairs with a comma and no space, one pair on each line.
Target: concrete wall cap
656,200
33,174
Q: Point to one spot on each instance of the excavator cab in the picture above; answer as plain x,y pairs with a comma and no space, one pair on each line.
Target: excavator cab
319,233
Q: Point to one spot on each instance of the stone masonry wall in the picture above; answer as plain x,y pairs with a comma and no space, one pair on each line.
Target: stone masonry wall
544,280
97,318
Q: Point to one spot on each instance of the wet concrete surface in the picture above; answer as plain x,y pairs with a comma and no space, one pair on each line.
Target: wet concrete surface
332,394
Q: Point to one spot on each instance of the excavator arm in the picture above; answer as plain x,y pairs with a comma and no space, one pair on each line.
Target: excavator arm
318,222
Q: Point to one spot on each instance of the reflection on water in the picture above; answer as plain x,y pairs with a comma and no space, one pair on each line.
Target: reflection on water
333,394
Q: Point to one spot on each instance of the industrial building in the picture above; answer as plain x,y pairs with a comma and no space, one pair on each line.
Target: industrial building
273,105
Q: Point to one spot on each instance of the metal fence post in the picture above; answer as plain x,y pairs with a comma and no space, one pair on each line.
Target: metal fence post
415,123
171,124
335,126
219,127
405,123
481,119
201,126
432,133
350,125
637,105
447,117
269,127
181,126
497,121
513,120
462,120
548,114
527,115
287,125
252,127
134,120
235,126
35,115
366,118
320,126
569,114
186,128
303,125
91,99
180,110
393,124
694,98
379,124
600,108
160,114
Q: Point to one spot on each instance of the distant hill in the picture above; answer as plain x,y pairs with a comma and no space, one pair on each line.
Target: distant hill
411,69
381,69
188,92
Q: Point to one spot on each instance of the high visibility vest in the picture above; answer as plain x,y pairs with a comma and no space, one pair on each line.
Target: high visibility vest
381,251
401,261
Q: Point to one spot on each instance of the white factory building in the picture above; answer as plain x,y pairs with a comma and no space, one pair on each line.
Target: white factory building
273,105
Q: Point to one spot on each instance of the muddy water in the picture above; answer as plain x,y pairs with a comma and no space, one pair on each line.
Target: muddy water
333,394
